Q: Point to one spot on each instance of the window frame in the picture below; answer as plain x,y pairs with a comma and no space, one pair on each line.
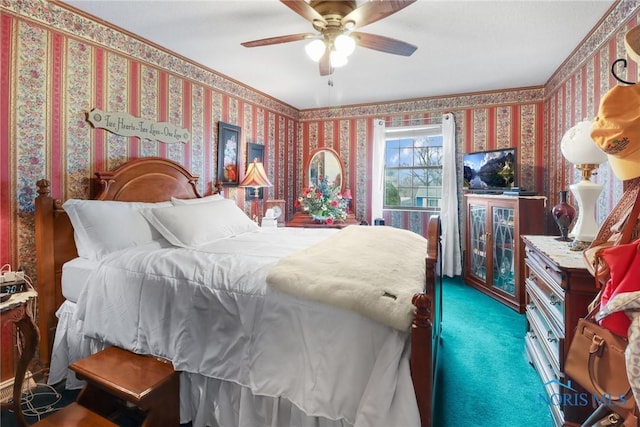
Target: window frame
412,132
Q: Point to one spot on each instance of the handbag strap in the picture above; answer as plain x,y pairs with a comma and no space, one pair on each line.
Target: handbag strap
631,220
594,354
629,203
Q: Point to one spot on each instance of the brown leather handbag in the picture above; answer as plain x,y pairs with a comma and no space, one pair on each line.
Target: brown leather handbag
596,361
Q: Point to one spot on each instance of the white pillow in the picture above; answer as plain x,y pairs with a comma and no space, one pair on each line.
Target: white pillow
102,226
197,200
195,225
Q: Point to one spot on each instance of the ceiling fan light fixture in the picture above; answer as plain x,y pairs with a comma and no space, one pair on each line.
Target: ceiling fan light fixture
337,59
345,44
315,49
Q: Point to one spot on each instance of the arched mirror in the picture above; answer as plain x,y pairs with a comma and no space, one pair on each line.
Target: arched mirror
324,163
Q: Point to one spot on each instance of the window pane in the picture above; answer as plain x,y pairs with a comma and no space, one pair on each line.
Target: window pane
406,198
434,177
391,196
391,176
392,157
419,177
393,143
404,177
406,157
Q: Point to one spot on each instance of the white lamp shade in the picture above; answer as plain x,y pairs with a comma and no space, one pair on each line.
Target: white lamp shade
337,59
345,44
578,147
315,49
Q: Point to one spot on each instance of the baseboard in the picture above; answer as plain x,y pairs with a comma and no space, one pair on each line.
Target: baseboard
6,387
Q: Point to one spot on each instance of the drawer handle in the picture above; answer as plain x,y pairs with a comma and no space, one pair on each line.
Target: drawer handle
531,306
551,337
554,300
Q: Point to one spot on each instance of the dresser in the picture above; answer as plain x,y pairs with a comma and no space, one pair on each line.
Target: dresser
558,291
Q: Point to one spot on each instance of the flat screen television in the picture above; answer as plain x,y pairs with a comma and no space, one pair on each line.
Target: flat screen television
493,170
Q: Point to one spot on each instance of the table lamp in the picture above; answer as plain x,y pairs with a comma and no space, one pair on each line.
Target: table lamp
578,148
256,178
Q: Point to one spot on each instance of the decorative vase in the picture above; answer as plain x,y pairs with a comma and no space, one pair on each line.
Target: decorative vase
319,218
563,213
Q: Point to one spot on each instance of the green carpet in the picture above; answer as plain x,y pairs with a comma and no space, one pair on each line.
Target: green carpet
484,378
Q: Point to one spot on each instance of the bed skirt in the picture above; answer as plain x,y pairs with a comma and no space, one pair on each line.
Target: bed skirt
204,401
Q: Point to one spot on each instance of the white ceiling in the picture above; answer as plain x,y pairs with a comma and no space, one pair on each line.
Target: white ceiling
463,46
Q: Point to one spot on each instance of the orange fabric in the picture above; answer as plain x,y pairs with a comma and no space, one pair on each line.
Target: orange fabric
624,264
616,130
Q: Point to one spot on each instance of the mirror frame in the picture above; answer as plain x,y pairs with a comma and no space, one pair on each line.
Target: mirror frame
308,164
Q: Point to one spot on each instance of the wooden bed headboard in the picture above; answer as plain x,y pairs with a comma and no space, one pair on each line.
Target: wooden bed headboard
149,179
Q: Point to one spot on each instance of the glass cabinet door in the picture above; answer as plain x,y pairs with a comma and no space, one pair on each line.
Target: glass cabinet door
503,249
478,241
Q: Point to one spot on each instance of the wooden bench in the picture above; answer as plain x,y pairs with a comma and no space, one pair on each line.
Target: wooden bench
118,380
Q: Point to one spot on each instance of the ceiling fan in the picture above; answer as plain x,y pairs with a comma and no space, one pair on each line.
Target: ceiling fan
336,21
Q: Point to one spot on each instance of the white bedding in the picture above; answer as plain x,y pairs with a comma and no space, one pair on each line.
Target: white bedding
211,313
75,274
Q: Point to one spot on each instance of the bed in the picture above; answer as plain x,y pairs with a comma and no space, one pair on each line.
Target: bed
377,362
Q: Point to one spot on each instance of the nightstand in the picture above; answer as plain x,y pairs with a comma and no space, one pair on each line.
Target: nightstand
19,310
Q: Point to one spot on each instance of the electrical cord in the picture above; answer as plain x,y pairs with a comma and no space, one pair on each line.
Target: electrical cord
37,403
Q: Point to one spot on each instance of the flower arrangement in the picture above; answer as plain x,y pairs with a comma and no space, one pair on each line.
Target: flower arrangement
324,202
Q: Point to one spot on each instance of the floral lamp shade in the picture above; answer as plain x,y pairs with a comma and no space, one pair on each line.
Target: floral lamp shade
255,177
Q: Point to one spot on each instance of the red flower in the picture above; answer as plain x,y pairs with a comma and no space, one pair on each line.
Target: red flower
318,195
329,221
296,203
334,203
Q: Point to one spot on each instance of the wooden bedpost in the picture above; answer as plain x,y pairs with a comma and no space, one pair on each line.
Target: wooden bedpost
421,357
425,329
45,269
54,247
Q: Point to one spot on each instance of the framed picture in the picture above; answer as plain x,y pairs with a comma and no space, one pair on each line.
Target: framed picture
254,151
278,210
228,146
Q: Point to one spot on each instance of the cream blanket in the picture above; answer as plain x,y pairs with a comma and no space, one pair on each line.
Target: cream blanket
374,271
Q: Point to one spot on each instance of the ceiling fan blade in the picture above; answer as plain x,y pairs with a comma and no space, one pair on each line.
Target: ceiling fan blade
373,11
303,9
325,64
383,44
279,39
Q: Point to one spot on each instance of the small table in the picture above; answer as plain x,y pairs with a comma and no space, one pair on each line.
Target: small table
19,310
301,219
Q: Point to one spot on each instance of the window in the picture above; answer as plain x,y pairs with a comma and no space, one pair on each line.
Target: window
413,168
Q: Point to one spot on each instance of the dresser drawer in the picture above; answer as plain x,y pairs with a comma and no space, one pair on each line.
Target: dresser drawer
549,272
546,336
548,300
